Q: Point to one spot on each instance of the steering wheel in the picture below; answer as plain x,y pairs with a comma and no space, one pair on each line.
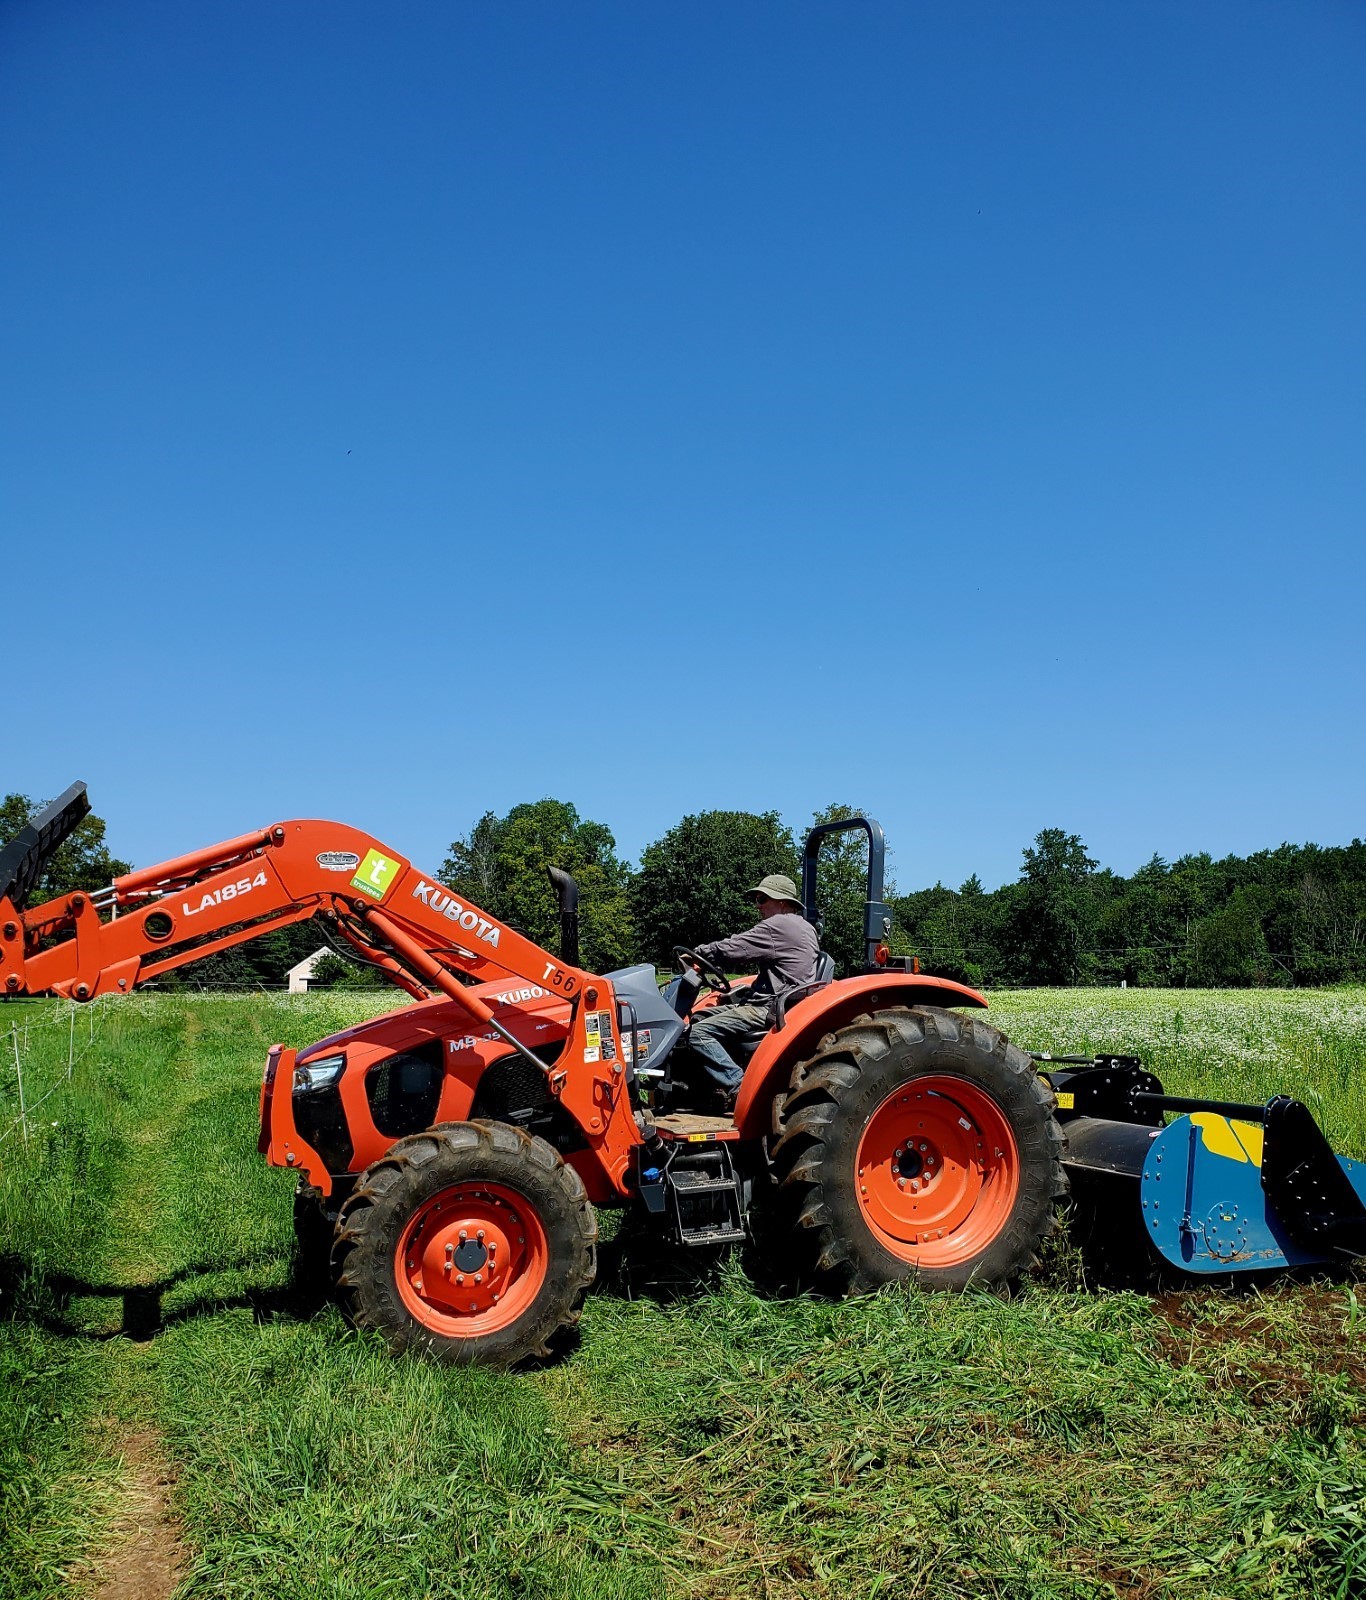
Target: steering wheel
715,978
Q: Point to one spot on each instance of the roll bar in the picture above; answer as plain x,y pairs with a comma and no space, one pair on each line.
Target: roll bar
876,917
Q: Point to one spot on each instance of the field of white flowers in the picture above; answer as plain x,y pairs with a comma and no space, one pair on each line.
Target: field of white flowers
1238,1044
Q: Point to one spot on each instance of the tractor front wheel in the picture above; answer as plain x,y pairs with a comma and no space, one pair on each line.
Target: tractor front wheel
472,1242
918,1144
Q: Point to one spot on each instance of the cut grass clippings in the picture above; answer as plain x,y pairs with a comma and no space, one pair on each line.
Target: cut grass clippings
1070,1442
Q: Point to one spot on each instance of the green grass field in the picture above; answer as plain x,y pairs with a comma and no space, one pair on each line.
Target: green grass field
1071,1442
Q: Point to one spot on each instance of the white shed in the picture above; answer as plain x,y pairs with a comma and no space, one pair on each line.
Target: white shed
297,977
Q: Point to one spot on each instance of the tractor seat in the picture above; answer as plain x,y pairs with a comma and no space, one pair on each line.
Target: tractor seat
825,975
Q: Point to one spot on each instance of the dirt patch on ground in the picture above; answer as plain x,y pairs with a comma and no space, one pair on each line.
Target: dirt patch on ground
146,1557
1273,1345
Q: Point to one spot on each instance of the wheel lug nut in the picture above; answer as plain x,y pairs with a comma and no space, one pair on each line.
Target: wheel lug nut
460,1277
480,1235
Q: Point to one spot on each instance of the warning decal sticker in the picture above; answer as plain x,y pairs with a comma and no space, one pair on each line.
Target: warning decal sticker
609,1048
642,1044
600,1045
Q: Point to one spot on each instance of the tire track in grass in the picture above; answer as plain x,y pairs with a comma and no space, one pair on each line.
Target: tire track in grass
61,1466
148,1553
149,1558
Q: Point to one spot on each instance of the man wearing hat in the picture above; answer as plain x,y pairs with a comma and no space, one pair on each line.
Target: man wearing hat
785,947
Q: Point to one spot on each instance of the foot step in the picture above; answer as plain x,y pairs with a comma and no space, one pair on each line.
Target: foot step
717,1235
691,1183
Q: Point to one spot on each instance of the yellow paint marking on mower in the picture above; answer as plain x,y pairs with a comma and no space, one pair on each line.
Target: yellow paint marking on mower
1236,1141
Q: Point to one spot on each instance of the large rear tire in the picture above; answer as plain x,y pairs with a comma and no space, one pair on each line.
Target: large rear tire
469,1243
917,1144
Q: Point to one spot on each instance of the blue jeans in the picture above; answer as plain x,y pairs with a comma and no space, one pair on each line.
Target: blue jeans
720,1029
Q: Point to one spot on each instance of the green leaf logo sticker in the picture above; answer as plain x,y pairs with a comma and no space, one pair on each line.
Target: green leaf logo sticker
376,873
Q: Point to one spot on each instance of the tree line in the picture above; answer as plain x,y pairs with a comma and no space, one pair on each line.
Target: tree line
1295,915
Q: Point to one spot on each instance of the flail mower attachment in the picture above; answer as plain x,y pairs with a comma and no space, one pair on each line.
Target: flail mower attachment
1223,1188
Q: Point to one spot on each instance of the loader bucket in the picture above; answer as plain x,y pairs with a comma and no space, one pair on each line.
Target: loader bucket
22,860
1223,1188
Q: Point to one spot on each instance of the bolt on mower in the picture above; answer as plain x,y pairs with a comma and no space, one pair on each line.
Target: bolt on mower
450,1154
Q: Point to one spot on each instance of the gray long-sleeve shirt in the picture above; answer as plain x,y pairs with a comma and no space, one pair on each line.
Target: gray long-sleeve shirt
785,948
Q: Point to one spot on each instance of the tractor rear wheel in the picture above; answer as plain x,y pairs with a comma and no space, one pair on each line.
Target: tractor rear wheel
471,1242
917,1144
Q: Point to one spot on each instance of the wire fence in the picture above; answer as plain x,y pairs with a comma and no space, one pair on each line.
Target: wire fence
39,1054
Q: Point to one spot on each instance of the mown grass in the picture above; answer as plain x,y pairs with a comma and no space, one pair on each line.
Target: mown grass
1065,1443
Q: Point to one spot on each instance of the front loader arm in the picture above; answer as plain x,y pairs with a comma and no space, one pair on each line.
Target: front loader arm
164,916
420,934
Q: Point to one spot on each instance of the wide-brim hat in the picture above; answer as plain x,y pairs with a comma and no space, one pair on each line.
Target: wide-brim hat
777,886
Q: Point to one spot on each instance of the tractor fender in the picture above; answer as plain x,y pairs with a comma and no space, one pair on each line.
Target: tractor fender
807,1022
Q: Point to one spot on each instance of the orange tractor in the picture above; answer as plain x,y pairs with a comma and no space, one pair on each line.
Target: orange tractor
450,1154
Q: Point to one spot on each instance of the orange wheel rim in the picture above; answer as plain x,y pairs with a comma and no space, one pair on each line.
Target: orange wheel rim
938,1171
471,1260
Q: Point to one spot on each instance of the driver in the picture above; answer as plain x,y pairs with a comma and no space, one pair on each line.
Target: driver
786,949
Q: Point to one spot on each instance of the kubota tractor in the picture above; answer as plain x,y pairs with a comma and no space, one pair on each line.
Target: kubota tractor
450,1154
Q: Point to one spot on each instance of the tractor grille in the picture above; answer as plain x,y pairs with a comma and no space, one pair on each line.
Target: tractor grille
404,1090
512,1090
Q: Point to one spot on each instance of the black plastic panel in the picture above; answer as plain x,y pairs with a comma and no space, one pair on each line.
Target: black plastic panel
405,1090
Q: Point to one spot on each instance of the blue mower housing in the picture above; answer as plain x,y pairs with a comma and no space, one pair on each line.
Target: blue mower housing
1223,1188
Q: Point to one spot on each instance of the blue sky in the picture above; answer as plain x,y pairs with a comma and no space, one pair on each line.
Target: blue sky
956,409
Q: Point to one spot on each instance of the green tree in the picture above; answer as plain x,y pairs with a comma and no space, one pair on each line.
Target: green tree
949,931
1229,948
82,861
1054,915
474,867
500,865
691,884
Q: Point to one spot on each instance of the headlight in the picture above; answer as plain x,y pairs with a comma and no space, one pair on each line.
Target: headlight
318,1075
